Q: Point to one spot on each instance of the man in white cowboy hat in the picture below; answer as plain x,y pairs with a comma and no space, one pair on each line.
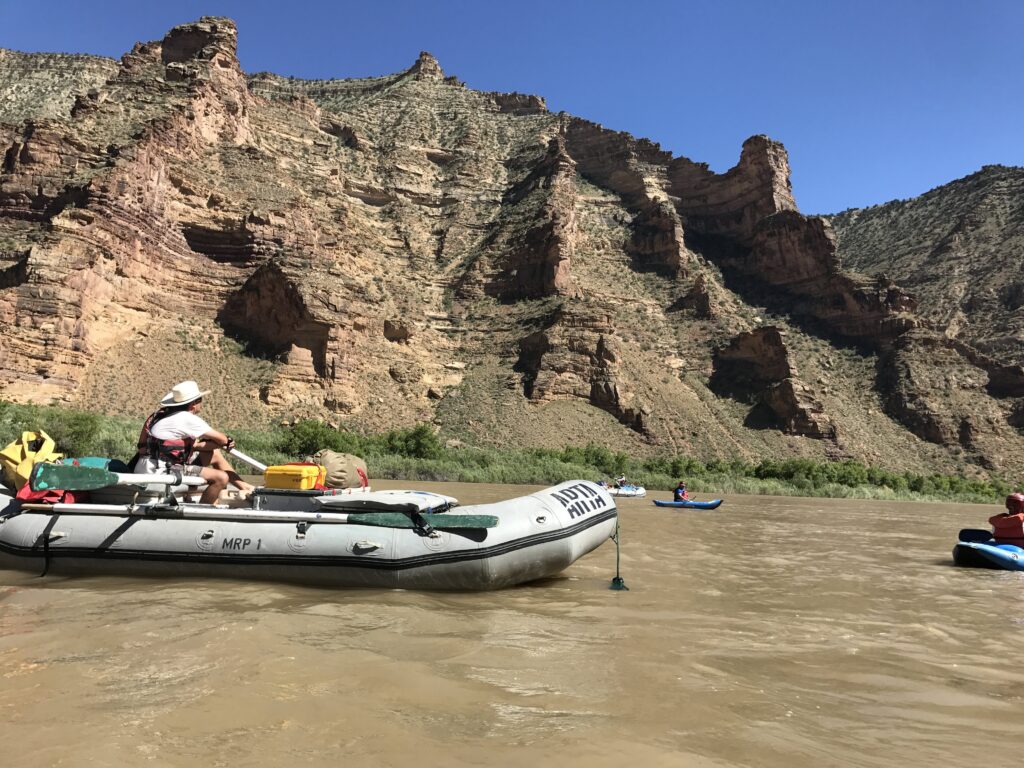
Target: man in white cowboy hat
176,436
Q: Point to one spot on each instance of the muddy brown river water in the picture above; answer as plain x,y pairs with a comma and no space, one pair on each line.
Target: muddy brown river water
770,632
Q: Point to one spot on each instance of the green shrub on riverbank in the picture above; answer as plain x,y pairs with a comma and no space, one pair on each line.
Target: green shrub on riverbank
418,454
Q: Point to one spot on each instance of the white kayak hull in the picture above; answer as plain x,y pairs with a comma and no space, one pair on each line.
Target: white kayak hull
536,536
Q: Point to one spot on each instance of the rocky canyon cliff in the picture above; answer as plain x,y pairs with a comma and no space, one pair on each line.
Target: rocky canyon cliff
381,252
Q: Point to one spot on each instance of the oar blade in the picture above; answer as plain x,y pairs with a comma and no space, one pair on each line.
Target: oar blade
452,522
439,521
974,534
462,521
68,477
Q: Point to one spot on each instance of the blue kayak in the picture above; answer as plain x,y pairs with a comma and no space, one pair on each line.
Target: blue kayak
978,549
690,504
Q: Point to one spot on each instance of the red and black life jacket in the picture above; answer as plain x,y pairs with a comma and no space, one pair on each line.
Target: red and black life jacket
175,451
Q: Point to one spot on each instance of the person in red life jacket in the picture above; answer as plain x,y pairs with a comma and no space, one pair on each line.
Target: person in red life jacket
175,436
1008,526
680,494
1015,504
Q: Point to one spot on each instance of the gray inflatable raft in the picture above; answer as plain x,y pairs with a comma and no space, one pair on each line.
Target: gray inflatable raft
306,537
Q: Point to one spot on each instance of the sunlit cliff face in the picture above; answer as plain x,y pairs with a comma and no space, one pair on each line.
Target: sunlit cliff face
400,249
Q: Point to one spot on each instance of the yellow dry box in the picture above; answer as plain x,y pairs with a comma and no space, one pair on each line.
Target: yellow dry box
295,477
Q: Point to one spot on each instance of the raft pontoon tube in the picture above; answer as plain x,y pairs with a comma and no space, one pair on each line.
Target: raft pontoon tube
391,539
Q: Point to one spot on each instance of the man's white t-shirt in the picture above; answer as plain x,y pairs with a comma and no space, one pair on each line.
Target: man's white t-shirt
180,425
177,426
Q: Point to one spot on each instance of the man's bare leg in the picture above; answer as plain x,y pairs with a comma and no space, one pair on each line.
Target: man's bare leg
216,481
217,461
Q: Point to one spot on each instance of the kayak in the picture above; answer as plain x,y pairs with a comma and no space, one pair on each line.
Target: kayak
344,538
691,504
979,549
627,490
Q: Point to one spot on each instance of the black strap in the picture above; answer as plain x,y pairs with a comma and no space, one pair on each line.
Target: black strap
45,535
422,526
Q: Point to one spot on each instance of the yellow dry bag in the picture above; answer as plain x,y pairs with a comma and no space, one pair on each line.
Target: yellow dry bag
18,458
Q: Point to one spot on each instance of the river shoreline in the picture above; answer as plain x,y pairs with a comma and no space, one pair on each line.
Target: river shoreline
418,454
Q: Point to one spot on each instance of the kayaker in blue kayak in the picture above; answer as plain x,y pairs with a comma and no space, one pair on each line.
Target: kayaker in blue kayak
1008,526
680,494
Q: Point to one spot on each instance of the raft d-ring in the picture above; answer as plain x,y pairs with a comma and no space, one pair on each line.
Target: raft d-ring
542,518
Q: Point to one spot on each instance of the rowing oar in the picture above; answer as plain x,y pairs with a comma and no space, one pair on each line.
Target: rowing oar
248,460
68,477
160,511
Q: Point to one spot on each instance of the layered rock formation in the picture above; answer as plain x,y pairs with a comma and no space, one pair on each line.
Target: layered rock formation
384,251
959,249
756,367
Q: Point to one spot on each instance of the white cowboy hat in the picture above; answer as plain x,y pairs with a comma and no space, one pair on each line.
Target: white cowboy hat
183,393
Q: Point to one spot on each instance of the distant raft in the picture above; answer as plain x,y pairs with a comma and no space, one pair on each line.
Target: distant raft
389,539
627,490
713,504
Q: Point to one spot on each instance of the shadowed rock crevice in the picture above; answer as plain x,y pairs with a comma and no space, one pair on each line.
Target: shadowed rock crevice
345,134
1016,416
529,254
615,160
13,271
1005,380
733,203
696,300
755,368
750,363
532,350
37,164
932,386
576,357
269,313
10,158
397,331
203,40
233,246
793,267
657,242
72,196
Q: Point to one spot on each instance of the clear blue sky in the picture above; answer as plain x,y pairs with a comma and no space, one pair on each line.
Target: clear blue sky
874,99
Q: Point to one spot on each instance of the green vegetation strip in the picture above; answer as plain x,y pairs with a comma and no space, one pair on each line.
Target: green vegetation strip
418,454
